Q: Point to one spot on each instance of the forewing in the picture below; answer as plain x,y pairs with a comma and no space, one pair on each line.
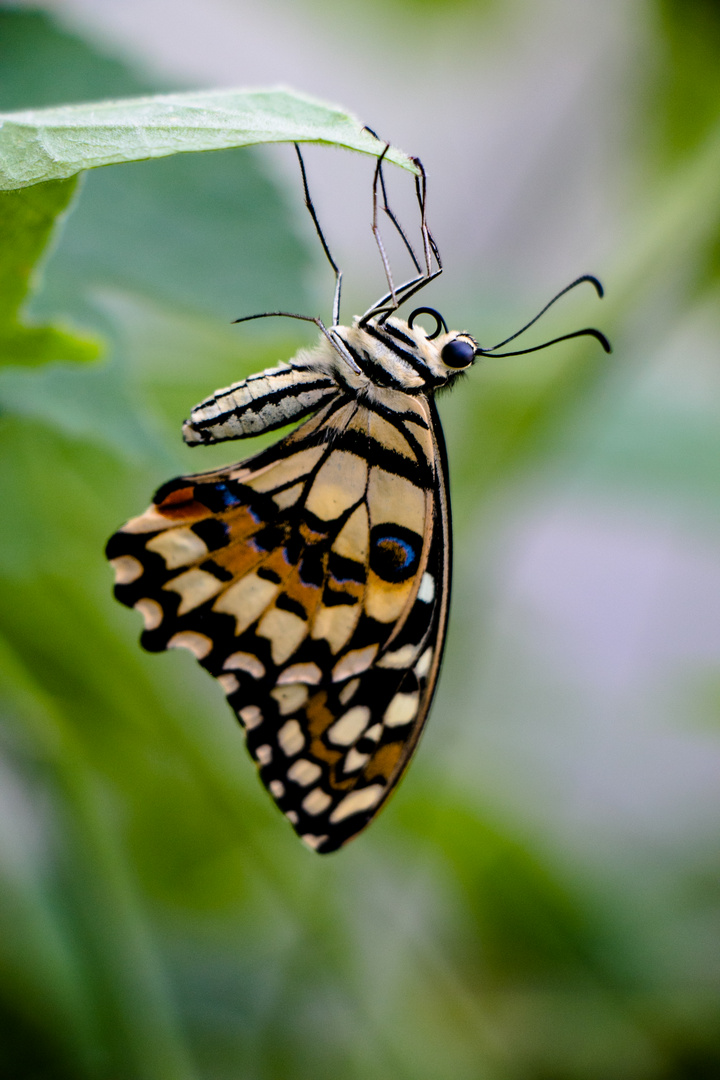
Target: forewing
312,582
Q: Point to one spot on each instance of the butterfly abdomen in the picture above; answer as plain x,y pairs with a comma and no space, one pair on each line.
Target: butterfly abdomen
263,402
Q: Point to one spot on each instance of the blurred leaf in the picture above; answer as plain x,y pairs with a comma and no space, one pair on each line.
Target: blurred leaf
209,235
92,965
529,921
685,102
689,75
51,144
42,64
28,220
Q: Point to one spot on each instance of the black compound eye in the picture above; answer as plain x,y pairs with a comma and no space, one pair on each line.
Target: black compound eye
457,353
394,552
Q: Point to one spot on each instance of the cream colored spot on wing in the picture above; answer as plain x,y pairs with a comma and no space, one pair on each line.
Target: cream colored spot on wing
264,754
356,801
246,600
150,521
178,547
350,726
276,788
401,710
340,482
304,772
291,468
292,817
229,683
426,592
251,717
194,588
401,658
348,691
304,673
384,601
336,624
353,540
290,698
284,631
373,732
288,496
423,665
313,842
127,569
199,644
151,612
353,662
393,498
354,760
316,802
243,661
291,738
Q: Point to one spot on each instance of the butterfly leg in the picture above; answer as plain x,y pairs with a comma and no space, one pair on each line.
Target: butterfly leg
392,300
326,249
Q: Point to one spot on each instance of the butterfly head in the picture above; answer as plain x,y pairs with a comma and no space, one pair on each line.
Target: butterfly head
405,355
446,352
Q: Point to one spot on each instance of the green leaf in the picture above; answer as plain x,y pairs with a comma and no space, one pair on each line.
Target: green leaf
28,220
52,144
43,149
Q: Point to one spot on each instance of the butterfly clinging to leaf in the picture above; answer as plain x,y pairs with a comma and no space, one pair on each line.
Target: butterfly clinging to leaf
313,579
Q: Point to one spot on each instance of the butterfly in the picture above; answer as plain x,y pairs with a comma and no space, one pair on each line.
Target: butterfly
312,580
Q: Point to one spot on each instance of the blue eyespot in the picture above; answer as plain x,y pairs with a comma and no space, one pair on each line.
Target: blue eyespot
394,552
394,548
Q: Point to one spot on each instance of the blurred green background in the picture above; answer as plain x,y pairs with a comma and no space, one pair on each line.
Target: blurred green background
541,899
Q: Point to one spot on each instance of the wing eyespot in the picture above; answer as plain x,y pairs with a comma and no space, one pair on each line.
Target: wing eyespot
394,552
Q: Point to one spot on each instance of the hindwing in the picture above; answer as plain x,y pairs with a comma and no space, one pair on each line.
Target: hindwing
312,581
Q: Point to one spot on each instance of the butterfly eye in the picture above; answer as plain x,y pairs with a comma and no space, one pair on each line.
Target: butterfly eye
457,354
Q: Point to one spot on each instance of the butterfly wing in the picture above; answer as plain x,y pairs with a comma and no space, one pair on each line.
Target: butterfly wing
312,581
